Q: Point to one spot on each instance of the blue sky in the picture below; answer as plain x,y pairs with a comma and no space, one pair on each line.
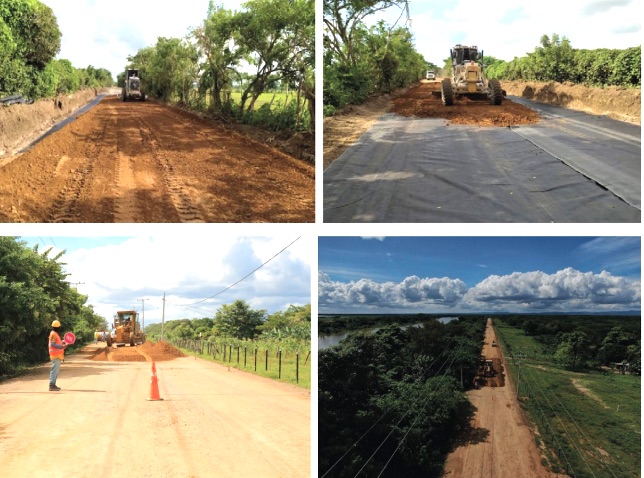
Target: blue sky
115,272
419,274
508,28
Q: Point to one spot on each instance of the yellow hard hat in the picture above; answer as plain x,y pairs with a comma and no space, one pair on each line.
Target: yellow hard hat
55,323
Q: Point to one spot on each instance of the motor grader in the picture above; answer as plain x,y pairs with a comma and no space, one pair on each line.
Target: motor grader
126,329
468,77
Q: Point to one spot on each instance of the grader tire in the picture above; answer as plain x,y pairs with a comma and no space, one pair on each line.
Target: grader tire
447,92
496,92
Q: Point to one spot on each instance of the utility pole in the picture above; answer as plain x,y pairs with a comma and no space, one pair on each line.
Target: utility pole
143,313
518,377
163,316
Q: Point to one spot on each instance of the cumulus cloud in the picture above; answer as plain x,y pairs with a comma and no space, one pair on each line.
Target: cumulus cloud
190,270
412,292
567,289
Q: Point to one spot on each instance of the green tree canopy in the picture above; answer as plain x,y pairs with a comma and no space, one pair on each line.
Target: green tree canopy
239,320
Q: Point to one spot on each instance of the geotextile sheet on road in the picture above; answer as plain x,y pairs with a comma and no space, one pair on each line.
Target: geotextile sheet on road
413,170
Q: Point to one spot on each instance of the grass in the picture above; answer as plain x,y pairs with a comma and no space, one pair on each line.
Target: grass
588,432
288,374
265,98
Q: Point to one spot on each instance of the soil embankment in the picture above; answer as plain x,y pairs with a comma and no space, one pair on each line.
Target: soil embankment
21,124
619,103
147,352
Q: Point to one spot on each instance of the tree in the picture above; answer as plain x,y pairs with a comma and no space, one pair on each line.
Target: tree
573,349
239,320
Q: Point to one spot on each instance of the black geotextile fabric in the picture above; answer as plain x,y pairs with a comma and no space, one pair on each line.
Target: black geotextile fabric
424,171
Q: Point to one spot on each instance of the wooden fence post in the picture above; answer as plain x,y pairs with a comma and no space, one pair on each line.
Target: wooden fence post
279,370
297,367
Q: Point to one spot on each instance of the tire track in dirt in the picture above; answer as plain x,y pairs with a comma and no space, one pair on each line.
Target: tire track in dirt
65,208
183,204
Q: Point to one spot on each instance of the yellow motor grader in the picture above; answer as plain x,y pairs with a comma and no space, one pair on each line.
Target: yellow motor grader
468,77
126,329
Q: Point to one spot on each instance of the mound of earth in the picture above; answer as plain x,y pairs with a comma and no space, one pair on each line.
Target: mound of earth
149,351
619,103
424,101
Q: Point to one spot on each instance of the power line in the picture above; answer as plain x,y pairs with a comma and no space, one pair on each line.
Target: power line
410,409
388,410
240,280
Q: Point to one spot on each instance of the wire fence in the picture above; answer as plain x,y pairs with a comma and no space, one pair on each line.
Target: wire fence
287,363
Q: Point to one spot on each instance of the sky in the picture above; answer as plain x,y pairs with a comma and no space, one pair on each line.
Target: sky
509,28
115,272
102,33
479,274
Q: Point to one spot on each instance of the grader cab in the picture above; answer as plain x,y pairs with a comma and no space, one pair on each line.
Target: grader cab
126,329
468,77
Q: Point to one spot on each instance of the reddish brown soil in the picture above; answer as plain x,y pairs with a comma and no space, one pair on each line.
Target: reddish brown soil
623,104
501,444
424,101
149,351
146,162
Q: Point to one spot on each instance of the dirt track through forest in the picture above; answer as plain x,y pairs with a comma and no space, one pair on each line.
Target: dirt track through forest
147,162
212,421
501,444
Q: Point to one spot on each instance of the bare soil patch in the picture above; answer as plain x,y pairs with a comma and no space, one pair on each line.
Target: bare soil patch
420,101
588,392
147,162
159,352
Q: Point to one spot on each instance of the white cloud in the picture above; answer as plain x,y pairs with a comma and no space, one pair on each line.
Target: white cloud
507,28
566,290
413,292
104,32
189,269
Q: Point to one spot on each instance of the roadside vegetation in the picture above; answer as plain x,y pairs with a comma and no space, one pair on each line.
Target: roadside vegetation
29,41
359,60
232,58
276,346
393,401
33,293
556,60
585,407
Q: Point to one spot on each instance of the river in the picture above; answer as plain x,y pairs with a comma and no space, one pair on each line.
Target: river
326,341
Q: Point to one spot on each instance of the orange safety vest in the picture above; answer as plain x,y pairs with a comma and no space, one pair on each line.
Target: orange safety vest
55,353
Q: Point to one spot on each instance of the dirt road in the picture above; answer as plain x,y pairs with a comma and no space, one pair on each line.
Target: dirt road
502,445
212,422
147,162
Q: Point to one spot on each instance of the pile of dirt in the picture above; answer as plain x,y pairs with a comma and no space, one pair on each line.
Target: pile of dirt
161,351
147,352
20,124
623,104
424,101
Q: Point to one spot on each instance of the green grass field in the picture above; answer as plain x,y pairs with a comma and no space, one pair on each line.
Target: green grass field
290,372
264,98
590,421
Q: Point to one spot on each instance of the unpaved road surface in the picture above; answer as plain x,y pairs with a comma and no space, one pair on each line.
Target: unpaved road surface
147,162
567,167
212,422
502,445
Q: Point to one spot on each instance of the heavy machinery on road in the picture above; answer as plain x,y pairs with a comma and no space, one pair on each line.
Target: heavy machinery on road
126,329
468,77
133,87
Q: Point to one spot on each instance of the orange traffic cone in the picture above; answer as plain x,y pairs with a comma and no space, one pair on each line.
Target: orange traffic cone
154,385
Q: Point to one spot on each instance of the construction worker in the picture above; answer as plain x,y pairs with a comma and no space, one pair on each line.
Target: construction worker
56,353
